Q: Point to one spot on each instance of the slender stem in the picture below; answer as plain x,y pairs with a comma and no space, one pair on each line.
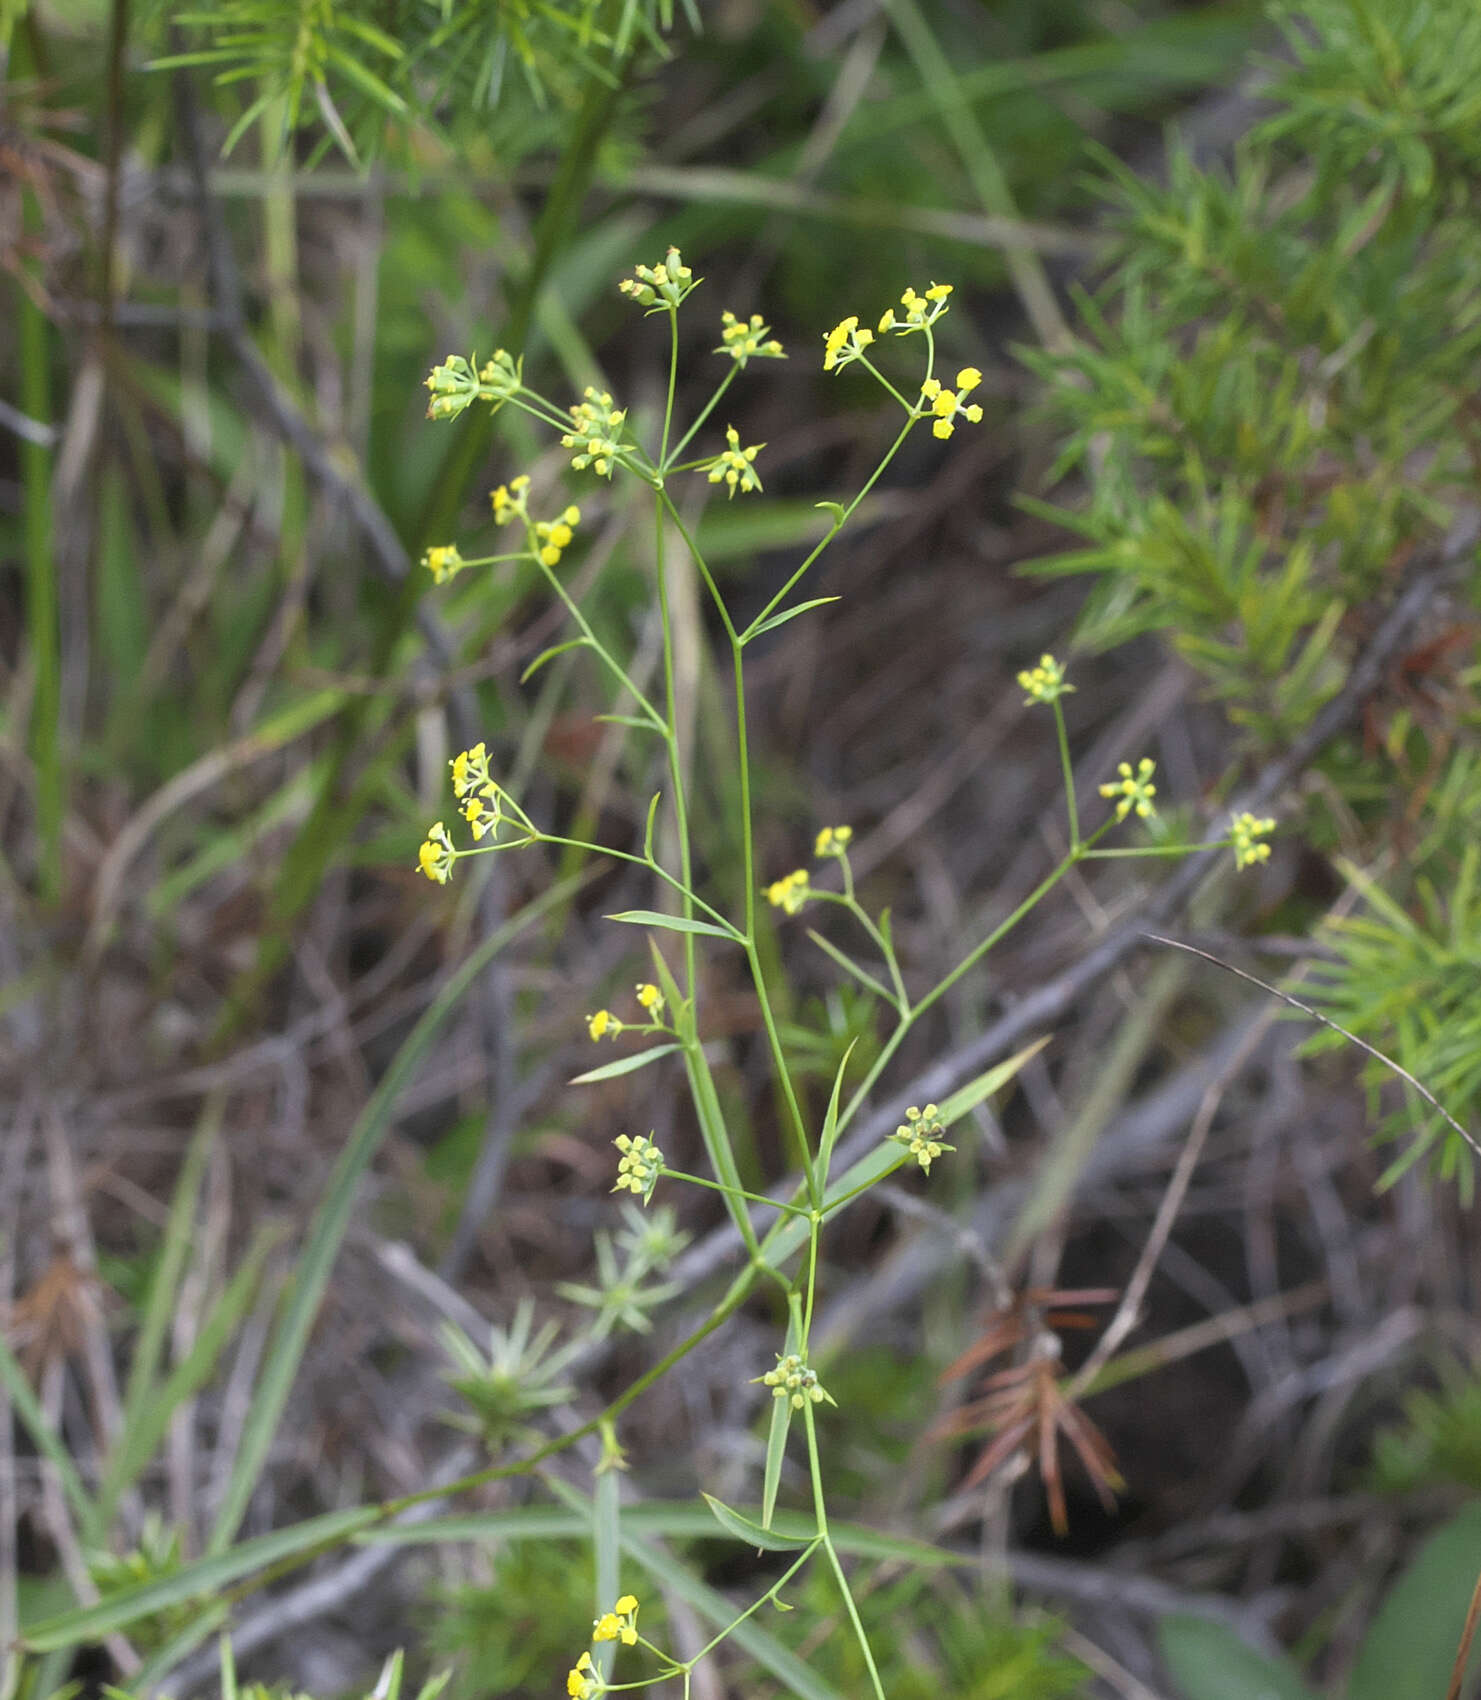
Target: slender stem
847,514
820,1508
1067,767
737,1192
611,662
666,464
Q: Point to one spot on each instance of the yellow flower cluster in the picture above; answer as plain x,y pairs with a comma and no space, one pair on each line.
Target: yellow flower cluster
436,856
443,562
619,1624
664,285
582,1682
1134,790
789,892
747,339
917,1133
596,433
794,1381
1044,683
833,841
1247,830
603,1025
480,795
510,500
553,536
920,310
638,1170
950,405
734,465
844,343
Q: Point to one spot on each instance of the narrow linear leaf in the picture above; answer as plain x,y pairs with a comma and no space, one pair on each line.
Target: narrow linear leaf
623,1065
767,1540
789,614
205,1576
830,1124
312,1273
648,825
550,655
776,1452
675,924
849,966
972,1094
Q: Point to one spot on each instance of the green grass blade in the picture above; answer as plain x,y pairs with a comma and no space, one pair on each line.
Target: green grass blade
312,1273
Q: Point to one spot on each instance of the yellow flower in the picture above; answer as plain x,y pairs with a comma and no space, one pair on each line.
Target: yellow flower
436,856
845,342
619,1624
650,998
1246,830
1044,683
596,433
789,893
638,1170
602,1023
1134,790
583,1683
833,841
745,340
920,310
554,535
734,465
948,405
664,285
470,770
443,562
917,1133
509,499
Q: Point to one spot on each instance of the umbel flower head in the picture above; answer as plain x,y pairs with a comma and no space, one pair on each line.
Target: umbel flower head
1246,830
1044,683
918,1134
596,433
619,1624
583,1681
1134,791
833,841
436,856
845,343
553,536
950,405
509,500
920,310
793,1381
640,1165
443,562
748,339
734,466
790,892
663,286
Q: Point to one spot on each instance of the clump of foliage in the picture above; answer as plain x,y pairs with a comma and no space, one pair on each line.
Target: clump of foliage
1272,396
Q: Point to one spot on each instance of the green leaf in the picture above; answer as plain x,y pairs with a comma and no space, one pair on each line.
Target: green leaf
205,1576
648,826
849,966
623,1065
1411,1645
550,655
766,1540
830,1126
675,924
788,614
972,1094
1208,1661
312,1272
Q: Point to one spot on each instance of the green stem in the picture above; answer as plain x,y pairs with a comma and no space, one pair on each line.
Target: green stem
42,618
848,512
821,1510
